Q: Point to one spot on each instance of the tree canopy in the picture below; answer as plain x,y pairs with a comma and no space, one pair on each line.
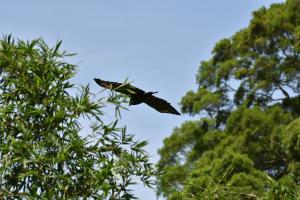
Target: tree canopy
44,153
247,144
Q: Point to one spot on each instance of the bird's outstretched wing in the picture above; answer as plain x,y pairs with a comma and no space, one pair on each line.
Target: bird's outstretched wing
160,105
124,88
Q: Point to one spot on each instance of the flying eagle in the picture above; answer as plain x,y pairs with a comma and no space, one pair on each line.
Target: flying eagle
138,96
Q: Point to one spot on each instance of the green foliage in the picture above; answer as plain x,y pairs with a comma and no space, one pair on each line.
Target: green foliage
254,65
43,153
292,139
248,146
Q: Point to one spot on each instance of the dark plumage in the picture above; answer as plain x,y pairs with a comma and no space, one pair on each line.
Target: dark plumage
138,96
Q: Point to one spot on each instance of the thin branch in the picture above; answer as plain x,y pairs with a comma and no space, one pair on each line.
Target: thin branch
284,92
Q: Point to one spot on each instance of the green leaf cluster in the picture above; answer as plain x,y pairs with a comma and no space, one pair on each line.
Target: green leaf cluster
44,153
247,147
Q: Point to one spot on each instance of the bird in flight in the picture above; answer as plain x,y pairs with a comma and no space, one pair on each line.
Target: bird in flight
138,96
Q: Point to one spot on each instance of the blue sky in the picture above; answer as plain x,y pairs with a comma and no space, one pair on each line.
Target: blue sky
157,44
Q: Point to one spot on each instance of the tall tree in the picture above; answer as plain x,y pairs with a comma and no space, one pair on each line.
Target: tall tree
44,153
247,146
